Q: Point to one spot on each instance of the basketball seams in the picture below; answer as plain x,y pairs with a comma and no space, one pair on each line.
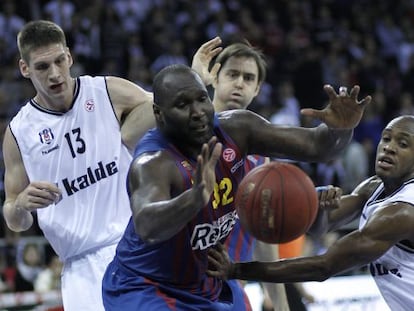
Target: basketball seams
257,215
280,220
286,191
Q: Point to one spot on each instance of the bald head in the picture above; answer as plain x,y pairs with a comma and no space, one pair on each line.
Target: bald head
172,80
405,123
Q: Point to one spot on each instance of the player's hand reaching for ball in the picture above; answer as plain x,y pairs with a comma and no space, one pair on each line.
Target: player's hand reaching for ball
344,110
206,164
329,197
219,262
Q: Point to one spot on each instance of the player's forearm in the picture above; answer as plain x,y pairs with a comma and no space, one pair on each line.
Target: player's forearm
159,221
282,271
333,141
17,218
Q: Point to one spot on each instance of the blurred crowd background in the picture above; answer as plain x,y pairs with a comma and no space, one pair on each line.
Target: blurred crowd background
307,44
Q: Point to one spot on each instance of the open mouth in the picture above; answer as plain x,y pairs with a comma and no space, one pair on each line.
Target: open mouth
385,162
199,128
56,86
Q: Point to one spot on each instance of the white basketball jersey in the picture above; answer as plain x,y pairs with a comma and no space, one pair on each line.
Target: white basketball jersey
80,151
394,271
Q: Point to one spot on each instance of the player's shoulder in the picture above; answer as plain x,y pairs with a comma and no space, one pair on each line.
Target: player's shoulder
235,114
367,187
238,118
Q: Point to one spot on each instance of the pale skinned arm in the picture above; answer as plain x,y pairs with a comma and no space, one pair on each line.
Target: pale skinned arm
203,57
133,107
276,292
21,196
384,229
158,216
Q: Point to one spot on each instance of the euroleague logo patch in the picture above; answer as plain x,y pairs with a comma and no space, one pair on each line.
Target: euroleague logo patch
229,154
89,105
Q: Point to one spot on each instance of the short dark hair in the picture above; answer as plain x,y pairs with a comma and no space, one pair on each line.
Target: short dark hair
158,86
244,49
36,34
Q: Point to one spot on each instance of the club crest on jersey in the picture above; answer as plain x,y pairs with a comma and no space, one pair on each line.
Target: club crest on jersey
186,165
90,105
46,136
229,154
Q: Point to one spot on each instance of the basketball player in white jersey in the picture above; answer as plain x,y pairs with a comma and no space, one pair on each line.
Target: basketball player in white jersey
66,157
384,240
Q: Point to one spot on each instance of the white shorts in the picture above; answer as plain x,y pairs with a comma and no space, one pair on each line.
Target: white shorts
82,280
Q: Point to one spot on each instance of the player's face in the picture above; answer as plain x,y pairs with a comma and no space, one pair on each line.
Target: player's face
394,159
49,71
237,82
186,114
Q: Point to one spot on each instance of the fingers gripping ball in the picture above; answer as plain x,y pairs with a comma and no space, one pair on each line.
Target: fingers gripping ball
276,202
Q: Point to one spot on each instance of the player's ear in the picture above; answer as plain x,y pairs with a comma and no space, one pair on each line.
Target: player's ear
259,85
24,68
70,59
157,112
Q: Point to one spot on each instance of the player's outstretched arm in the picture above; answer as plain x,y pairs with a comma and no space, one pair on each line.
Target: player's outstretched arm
360,247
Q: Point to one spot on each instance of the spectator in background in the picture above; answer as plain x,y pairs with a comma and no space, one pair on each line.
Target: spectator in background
30,262
61,12
10,24
49,278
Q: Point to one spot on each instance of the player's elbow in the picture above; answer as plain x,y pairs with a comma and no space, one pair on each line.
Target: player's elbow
145,230
18,226
17,222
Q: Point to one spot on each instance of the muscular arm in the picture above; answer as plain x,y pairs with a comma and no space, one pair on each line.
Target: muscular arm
385,228
133,108
258,136
22,196
157,216
335,215
153,177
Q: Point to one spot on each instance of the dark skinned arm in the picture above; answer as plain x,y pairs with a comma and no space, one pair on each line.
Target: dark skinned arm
317,144
385,228
157,216
336,210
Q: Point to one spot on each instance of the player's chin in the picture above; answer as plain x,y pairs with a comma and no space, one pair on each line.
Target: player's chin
232,105
202,137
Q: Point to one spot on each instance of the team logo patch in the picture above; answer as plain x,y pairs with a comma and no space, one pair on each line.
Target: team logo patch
90,105
186,165
229,154
46,136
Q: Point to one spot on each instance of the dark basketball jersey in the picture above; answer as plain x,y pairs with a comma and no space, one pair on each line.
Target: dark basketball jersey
240,244
171,275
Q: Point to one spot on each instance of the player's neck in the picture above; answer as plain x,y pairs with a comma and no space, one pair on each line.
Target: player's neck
61,102
219,106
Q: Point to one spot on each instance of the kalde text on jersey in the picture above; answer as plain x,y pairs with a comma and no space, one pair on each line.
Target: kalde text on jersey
91,177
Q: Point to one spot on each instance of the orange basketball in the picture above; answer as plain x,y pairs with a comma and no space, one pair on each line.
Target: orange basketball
276,202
